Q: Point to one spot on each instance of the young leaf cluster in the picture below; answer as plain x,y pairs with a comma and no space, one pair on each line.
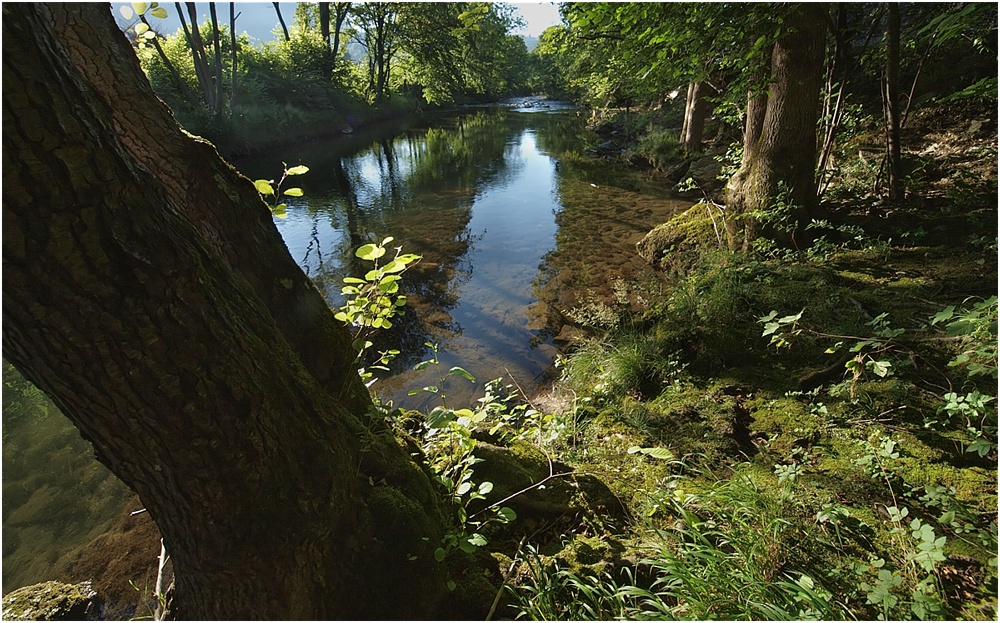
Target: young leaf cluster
267,188
143,33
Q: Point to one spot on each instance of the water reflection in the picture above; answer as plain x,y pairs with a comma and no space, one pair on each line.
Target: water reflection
473,195
514,227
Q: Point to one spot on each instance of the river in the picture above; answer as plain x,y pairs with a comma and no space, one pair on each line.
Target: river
515,226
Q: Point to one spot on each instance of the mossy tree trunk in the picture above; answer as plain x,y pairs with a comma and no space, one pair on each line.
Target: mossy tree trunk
779,142
147,291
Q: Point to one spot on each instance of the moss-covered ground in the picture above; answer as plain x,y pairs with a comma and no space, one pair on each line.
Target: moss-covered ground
846,469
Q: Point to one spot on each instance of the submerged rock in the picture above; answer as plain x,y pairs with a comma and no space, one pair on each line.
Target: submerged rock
52,601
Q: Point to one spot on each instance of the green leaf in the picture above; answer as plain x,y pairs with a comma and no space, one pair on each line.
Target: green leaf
299,170
370,252
140,7
395,266
141,28
430,389
485,488
944,314
439,554
354,280
458,371
292,192
263,187
880,368
127,12
477,540
507,514
159,12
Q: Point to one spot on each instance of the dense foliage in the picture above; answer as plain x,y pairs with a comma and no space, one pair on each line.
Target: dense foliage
332,67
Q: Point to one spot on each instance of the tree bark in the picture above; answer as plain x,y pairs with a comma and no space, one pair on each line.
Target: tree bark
892,124
324,23
780,135
147,291
695,110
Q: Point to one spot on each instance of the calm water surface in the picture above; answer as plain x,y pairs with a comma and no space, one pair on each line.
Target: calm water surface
514,227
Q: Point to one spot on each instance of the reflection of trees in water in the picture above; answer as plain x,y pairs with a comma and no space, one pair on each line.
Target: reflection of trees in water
419,188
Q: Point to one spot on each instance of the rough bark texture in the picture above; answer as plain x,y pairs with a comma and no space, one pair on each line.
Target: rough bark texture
780,134
148,293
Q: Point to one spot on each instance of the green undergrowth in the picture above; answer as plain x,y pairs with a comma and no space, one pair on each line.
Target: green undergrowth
796,435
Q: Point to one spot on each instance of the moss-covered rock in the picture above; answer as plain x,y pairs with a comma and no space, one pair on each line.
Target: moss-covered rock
683,235
518,468
52,601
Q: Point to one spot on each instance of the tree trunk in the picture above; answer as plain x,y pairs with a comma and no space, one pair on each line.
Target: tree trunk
217,61
234,53
281,20
340,10
896,187
780,137
197,52
147,291
324,23
695,110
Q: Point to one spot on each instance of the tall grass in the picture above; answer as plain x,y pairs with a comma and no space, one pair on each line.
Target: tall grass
722,557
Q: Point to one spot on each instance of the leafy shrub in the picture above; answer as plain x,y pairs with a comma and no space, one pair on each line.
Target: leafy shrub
661,148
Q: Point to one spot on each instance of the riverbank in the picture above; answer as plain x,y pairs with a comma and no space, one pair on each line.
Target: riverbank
814,429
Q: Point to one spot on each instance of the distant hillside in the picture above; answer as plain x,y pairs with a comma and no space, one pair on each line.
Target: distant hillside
530,42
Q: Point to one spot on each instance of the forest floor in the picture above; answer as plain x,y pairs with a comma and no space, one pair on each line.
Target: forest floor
812,429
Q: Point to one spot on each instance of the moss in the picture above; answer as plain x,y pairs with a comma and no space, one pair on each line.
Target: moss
400,521
682,236
590,555
52,601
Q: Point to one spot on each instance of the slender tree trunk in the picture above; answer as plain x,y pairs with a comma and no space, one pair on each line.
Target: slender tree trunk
147,291
781,146
197,51
896,187
687,111
341,10
743,231
182,86
217,48
695,110
234,52
281,20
